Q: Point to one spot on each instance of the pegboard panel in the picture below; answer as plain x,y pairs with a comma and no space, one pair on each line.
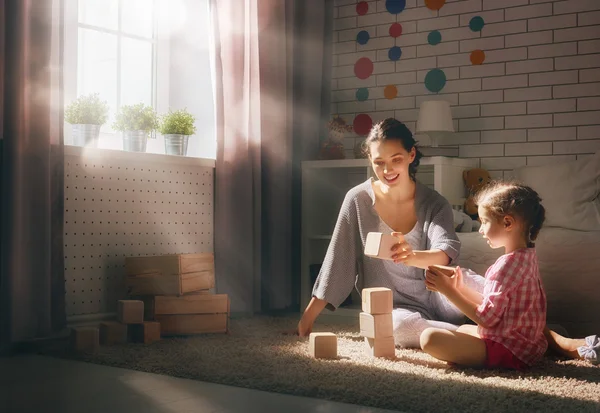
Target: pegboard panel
129,206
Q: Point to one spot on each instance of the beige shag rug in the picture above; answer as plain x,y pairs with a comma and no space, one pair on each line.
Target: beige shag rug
257,355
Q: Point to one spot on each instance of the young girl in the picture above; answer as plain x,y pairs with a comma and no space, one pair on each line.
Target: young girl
511,312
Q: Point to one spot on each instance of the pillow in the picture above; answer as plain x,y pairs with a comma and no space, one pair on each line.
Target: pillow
569,191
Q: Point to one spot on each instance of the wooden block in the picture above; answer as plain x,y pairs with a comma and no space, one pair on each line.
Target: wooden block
376,326
323,345
184,324
112,332
379,245
147,332
381,347
131,311
85,339
444,269
377,300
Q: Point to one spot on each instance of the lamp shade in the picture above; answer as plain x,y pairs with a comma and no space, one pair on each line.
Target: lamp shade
435,116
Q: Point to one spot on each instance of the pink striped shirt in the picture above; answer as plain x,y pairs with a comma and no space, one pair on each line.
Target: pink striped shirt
514,305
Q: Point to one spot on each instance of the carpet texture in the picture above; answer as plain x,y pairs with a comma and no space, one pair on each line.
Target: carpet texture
257,355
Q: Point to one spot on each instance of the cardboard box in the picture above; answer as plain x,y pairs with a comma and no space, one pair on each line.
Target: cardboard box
175,274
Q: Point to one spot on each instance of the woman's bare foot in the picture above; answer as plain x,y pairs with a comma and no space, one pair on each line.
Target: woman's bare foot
563,345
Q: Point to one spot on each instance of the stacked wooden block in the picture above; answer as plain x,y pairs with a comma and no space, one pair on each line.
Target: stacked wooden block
129,327
376,322
175,292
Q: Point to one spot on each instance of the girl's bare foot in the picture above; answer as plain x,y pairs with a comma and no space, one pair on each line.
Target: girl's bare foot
563,345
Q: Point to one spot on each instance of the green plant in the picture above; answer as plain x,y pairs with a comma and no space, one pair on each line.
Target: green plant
180,122
87,110
136,117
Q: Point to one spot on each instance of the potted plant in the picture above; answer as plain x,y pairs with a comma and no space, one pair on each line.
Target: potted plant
136,122
176,128
86,114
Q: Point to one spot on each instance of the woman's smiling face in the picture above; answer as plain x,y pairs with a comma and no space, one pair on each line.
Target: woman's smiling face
390,161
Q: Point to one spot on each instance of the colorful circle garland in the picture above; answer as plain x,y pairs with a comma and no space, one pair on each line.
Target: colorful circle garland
435,80
362,37
395,6
396,30
363,68
476,23
434,4
390,92
434,38
477,57
362,8
362,94
362,124
395,53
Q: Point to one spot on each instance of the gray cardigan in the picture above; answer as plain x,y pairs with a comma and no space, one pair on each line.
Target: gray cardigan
345,260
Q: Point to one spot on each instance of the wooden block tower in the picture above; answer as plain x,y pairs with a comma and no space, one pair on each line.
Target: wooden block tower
376,322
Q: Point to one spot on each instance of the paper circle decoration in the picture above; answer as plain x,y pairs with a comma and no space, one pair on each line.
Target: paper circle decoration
395,6
362,124
362,8
434,4
435,80
396,30
362,94
434,37
477,57
390,92
395,53
476,23
362,37
363,68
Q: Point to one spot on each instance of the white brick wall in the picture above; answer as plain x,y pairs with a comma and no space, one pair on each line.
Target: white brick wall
534,101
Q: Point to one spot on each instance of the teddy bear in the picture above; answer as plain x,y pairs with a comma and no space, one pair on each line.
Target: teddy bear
333,147
475,179
464,223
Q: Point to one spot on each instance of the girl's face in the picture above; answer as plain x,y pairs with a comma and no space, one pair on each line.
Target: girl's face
492,228
390,161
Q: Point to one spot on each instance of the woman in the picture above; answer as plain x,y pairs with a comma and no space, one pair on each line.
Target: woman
395,203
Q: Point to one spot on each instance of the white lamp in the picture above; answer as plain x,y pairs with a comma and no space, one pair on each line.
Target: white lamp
435,120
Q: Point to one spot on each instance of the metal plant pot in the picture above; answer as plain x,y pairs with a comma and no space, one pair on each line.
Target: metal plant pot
135,140
86,135
176,144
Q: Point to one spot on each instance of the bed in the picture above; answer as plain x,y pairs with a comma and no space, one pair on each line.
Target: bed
568,246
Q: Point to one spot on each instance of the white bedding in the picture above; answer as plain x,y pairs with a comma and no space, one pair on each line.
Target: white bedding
570,270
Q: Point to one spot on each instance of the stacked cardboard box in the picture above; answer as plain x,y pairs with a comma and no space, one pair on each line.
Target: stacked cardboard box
175,291
376,322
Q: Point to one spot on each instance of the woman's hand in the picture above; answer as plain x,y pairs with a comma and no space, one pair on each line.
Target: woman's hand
304,327
403,252
436,280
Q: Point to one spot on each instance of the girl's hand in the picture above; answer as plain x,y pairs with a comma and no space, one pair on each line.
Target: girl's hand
403,252
436,280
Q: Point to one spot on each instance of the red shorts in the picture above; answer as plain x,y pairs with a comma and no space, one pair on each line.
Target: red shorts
499,357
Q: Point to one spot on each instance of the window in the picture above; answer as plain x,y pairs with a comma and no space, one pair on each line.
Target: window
137,51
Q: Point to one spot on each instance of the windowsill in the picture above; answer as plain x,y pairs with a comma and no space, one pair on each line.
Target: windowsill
96,153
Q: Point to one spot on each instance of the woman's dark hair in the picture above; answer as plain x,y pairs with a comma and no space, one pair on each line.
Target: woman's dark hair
512,198
392,129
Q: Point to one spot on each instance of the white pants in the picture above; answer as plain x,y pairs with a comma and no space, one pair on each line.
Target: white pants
409,324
